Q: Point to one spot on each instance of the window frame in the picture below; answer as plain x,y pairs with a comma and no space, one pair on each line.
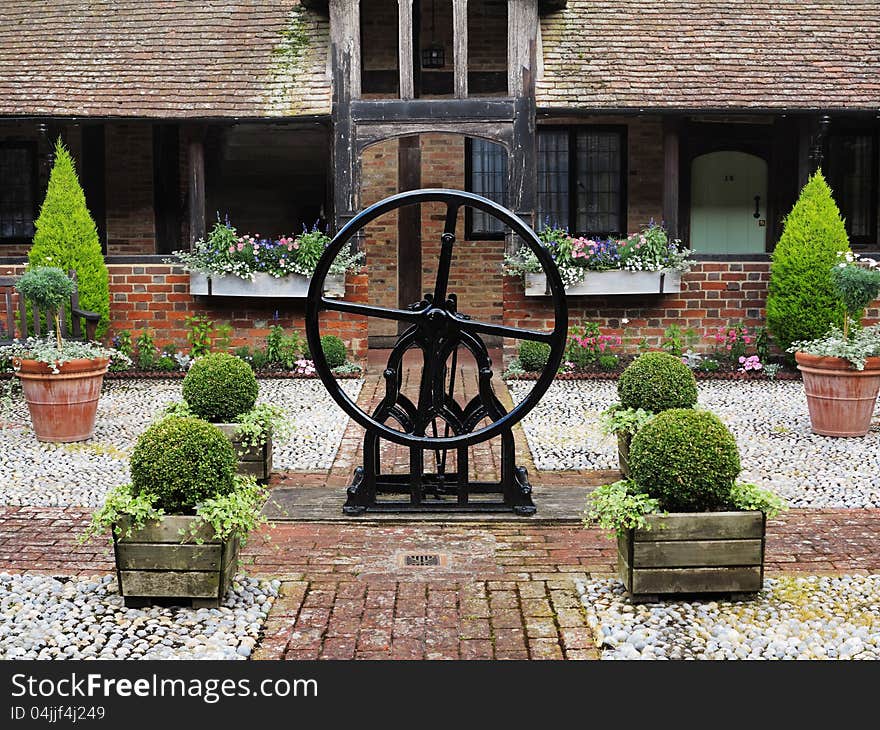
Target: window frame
469,233
869,242
622,130
35,185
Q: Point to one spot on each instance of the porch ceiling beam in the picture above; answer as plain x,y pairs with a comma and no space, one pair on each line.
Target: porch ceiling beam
446,110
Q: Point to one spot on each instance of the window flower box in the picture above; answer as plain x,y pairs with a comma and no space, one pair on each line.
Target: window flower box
262,285
611,283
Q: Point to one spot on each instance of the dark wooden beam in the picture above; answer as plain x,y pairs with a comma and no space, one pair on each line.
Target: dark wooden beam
447,110
320,6
548,6
409,226
196,184
671,174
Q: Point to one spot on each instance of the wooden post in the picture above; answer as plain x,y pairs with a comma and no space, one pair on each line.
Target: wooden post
522,35
409,226
460,47
196,185
671,165
405,48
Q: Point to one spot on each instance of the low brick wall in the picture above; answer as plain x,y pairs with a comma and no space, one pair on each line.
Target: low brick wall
156,296
714,294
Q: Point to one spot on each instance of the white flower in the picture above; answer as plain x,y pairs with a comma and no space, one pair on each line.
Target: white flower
624,321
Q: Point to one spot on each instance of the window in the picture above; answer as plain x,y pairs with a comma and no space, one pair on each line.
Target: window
582,179
486,175
18,177
852,173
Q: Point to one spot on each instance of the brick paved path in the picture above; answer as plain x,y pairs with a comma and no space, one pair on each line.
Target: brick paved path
505,591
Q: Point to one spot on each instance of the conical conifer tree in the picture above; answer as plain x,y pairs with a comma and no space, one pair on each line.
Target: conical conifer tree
66,237
802,304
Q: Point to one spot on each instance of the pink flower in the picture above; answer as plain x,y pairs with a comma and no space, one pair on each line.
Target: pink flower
232,249
240,246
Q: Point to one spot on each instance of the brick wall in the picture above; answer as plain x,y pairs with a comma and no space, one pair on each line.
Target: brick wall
157,297
714,294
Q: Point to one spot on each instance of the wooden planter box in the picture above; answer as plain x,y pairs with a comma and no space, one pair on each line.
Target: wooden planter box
253,461
611,283
153,564
263,285
699,552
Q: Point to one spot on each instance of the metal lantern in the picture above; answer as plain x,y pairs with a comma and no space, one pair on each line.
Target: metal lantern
434,56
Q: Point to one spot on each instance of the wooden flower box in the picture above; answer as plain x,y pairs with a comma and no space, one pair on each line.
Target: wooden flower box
253,461
161,560
691,553
292,286
611,283
623,441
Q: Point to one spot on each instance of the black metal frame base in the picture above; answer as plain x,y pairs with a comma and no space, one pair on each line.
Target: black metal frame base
437,493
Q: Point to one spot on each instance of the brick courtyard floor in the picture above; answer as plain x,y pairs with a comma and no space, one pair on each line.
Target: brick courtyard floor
503,590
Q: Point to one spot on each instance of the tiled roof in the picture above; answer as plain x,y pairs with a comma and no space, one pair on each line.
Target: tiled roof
684,54
162,58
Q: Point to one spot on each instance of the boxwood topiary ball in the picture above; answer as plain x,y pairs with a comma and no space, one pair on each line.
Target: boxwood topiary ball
533,356
657,382
685,458
220,387
182,461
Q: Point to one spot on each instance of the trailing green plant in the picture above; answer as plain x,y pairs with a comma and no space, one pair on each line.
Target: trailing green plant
618,419
262,422
746,496
801,302
46,287
46,351
124,510
514,370
200,335
685,458
857,347
220,387
620,507
533,356
66,237
348,368
657,381
146,351
182,461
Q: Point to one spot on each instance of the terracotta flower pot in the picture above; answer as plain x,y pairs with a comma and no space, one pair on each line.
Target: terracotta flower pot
840,398
62,405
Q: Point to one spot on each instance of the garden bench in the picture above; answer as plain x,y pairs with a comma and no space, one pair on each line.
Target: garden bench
34,327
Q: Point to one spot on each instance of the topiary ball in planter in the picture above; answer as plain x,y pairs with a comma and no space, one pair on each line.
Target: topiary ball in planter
182,461
685,458
657,382
220,387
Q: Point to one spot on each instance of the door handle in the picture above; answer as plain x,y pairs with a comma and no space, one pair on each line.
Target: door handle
757,207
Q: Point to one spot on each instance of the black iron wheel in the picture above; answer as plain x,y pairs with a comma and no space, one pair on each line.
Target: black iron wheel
434,315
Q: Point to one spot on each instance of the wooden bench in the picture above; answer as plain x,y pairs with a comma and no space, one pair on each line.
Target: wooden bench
31,326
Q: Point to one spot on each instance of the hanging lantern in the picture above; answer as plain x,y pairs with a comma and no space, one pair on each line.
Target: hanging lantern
434,56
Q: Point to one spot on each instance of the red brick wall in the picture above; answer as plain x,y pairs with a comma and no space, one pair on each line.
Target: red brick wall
156,296
714,294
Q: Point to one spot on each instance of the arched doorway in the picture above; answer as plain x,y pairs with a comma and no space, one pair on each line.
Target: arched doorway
728,203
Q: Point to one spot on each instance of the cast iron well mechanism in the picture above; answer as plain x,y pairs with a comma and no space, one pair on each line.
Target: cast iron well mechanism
438,330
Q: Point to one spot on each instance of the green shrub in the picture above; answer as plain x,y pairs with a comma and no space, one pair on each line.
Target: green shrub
687,459
533,356
220,387
66,237
802,303
608,362
334,350
657,382
182,461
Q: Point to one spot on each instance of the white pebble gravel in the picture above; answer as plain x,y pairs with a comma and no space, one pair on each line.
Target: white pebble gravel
804,617
80,474
45,617
770,422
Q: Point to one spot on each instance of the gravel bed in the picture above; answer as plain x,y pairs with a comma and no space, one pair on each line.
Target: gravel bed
43,617
805,617
770,422
80,474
